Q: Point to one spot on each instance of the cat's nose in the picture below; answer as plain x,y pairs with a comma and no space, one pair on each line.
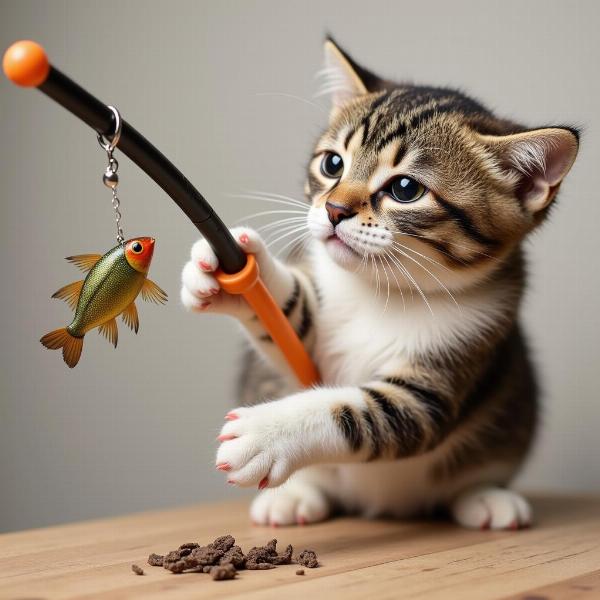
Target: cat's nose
338,212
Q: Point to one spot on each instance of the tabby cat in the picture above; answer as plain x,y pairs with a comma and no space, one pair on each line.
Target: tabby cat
407,297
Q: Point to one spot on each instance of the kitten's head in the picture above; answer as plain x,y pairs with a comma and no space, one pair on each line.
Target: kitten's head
408,174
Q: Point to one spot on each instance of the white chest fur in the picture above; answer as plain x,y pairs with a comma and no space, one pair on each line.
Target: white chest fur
359,331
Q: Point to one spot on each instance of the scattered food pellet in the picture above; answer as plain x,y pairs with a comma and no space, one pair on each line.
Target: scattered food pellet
308,558
261,556
156,560
222,558
222,572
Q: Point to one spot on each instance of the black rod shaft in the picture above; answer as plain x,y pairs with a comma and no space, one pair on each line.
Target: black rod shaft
134,145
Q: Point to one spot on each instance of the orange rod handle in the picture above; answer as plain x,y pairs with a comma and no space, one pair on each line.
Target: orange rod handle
248,283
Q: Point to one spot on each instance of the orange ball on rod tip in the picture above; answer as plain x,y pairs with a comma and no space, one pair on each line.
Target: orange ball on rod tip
26,64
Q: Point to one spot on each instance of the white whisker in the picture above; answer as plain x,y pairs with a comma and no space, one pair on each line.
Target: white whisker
269,212
285,202
280,222
282,197
440,283
302,240
387,300
453,243
294,97
419,290
284,235
428,258
385,257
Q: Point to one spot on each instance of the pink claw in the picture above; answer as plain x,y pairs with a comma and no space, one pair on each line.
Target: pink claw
205,266
225,437
264,482
231,416
244,238
514,525
204,305
485,525
213,291
274,524
231,481
301,521
224,467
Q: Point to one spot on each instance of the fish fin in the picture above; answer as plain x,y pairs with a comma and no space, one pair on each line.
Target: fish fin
71,345
130,316
152,293
84,261
70,293
109,331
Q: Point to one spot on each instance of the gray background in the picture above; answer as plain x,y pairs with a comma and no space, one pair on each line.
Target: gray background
134,428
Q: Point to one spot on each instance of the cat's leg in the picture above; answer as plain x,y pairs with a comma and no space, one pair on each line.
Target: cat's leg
387,418
290,287
299,501
489,507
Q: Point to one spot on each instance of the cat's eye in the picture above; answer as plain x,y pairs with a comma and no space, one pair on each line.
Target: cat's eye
332,165
406,189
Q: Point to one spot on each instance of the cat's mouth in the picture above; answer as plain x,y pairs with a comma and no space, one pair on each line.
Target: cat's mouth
340,247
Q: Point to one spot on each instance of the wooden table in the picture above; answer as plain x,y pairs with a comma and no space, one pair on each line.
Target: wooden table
558,558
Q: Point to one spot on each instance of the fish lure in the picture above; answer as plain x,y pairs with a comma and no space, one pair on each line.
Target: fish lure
110,288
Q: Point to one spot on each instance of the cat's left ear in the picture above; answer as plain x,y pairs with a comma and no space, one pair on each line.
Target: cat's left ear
537,160
344,79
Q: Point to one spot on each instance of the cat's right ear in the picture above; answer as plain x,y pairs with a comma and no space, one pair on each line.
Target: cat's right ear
343,78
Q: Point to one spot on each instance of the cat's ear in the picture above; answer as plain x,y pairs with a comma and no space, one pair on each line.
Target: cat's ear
343,78
537,160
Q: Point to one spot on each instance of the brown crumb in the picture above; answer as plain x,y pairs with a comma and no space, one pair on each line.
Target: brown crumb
222,572
137,570
186,549
259,566
261,556
235,556
224,543
156,560
193,557
308,558
300,572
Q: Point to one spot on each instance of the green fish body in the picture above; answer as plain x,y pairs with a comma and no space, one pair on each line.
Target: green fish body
110,289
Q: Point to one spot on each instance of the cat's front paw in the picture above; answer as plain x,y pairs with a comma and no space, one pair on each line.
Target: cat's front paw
200,290
260,447
488,507
295,503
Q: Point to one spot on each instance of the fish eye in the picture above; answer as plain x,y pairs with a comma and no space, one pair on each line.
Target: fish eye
332,165
136,247
405,189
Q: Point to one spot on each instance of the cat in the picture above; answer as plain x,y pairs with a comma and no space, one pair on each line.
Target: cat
428,398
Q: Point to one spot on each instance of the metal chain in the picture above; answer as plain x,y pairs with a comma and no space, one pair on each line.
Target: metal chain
110,177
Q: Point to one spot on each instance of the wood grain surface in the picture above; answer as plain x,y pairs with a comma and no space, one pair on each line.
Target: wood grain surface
558,558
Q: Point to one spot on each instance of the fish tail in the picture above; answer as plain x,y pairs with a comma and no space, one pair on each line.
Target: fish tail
71,345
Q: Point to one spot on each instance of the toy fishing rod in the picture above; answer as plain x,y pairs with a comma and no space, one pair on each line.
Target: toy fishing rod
26,64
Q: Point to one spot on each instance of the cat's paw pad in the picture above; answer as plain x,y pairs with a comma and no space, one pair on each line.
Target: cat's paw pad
294,503
257,448
200,290
491,508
